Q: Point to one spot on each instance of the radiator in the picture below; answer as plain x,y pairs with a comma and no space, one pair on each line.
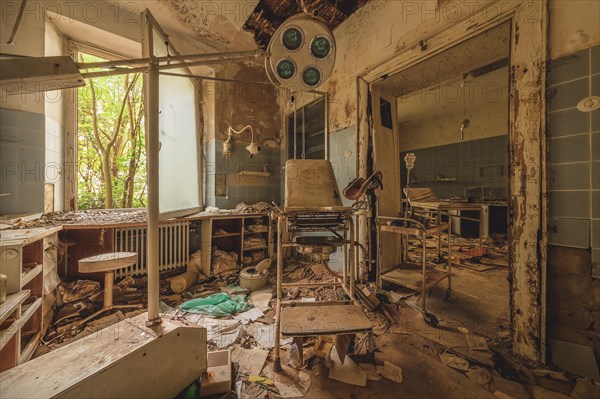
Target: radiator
174,247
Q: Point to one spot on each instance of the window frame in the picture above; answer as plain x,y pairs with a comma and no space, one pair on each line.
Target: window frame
292,150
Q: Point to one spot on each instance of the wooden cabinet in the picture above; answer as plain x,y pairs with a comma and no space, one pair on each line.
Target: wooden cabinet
25,261
249,236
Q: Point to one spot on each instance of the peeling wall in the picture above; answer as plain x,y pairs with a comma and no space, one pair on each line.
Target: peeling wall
380,29
246,102
237,104
433,117
573,26
375,32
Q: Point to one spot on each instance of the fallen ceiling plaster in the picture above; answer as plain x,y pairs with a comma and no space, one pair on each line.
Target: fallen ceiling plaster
270,14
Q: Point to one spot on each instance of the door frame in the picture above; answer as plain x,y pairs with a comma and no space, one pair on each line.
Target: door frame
527,150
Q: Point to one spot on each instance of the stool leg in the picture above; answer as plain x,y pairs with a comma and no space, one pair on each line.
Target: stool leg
109,279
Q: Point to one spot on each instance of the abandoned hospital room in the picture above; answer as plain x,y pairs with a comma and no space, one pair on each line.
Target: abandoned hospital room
300,199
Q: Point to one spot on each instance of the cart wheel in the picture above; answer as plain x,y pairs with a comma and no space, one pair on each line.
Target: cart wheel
430,319
449,297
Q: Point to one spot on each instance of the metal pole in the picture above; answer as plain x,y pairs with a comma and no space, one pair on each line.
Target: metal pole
188,57
277,359
153,192
295,125
352,257
124,71
303,133
326,127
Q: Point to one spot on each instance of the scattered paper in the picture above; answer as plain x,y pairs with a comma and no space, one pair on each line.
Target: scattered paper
264,334
289,382
398,294
371,369
166,309
454,362
348,372
249,315
251,361
391,372
480,375
261,298
221,332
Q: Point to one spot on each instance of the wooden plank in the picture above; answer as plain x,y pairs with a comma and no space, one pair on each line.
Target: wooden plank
527,179
29,311
12,237
31,274
323,320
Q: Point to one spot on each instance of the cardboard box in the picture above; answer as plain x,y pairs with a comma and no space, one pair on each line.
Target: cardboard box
217,378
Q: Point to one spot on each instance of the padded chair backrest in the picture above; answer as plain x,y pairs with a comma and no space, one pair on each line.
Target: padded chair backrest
420,195
310,184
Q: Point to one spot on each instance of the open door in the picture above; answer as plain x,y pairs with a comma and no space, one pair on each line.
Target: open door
387,160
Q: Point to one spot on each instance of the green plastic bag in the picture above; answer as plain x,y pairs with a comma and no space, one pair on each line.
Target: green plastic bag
220,304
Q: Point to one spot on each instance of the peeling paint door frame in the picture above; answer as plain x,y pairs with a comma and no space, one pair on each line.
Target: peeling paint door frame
527,152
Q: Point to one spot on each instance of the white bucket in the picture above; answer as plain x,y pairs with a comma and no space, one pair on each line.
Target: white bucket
252,280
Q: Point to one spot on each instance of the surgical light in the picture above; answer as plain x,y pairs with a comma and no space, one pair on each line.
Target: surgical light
301,53
292,38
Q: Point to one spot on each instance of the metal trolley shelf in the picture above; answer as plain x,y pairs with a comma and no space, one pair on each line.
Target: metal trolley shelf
415,276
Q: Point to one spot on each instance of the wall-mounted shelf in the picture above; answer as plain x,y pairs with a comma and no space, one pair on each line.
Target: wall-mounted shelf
12,302
24,261
29,310
30,274
237,228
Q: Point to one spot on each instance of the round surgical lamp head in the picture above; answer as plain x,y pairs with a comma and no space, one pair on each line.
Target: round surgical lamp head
301,53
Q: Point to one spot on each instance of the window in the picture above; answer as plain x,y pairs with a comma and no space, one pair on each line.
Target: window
307,140
110,140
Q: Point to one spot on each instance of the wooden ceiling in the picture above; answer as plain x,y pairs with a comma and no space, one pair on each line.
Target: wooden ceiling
270,14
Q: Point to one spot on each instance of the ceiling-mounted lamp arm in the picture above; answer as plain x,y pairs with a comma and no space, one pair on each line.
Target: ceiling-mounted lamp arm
189,58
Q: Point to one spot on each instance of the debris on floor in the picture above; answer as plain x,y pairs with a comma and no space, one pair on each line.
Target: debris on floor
391,372
241,323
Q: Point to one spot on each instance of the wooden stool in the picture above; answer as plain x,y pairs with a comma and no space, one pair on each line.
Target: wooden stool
107,263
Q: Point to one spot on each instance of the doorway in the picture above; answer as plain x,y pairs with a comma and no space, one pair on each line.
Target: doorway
450,116
527,182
